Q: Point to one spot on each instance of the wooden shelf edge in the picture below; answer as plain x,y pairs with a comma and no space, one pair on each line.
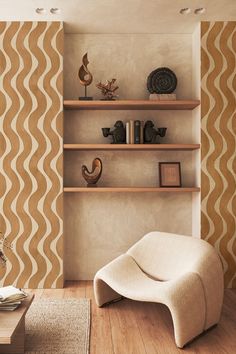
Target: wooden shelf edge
130,189
132,104
134,147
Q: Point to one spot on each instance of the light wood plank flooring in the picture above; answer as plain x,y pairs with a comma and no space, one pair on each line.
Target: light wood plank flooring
129,327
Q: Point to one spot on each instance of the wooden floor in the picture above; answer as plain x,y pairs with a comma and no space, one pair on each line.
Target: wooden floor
129,327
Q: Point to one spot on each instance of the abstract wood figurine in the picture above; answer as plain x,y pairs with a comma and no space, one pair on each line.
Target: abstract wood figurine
85,77
92,177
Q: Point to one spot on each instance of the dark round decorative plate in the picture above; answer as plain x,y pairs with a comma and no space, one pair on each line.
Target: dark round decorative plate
161,80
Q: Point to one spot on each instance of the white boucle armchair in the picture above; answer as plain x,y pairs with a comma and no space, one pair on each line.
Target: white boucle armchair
182,272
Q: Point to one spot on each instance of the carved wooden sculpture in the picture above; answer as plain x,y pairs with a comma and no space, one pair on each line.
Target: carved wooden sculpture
85,77
92,177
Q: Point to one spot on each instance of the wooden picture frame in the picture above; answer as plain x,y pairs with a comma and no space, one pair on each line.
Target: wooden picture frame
170,174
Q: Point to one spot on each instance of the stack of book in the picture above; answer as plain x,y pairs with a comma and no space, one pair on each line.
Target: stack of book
10,298
134,132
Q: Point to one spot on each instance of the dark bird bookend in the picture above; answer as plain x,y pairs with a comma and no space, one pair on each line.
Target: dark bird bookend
150,133
92,177
118,134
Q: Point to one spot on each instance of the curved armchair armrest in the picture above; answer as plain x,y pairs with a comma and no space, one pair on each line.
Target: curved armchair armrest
210,271
186,302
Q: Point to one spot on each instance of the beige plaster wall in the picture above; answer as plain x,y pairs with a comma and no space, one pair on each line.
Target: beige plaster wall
129,58
196,128
99,227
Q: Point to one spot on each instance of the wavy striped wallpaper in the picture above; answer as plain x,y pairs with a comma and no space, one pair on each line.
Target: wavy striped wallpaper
218,123
31,154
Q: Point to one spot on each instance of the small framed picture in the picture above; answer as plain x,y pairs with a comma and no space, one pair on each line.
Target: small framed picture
169,174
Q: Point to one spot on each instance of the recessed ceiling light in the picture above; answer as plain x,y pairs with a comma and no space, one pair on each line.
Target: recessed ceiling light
200,11
55,11
40,11
185,11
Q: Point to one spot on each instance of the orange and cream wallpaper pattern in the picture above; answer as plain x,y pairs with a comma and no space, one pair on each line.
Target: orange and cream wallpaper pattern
31,154
218,138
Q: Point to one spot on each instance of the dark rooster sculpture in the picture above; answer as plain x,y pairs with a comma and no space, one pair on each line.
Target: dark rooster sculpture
92,177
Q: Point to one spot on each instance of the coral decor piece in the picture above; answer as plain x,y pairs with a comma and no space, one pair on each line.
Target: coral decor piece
85,77
92,177
108,89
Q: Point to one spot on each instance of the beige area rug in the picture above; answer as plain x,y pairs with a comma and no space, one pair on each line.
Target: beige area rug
59,326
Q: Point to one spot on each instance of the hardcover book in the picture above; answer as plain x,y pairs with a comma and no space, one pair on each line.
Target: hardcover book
131,132
141,132
127,128
137,125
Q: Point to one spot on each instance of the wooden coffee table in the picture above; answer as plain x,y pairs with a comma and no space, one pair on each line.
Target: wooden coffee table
12,328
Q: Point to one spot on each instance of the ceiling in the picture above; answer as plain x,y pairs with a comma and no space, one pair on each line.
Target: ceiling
120,16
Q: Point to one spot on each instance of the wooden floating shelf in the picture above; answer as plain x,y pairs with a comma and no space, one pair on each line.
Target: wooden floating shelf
132,105
130,189
133,147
